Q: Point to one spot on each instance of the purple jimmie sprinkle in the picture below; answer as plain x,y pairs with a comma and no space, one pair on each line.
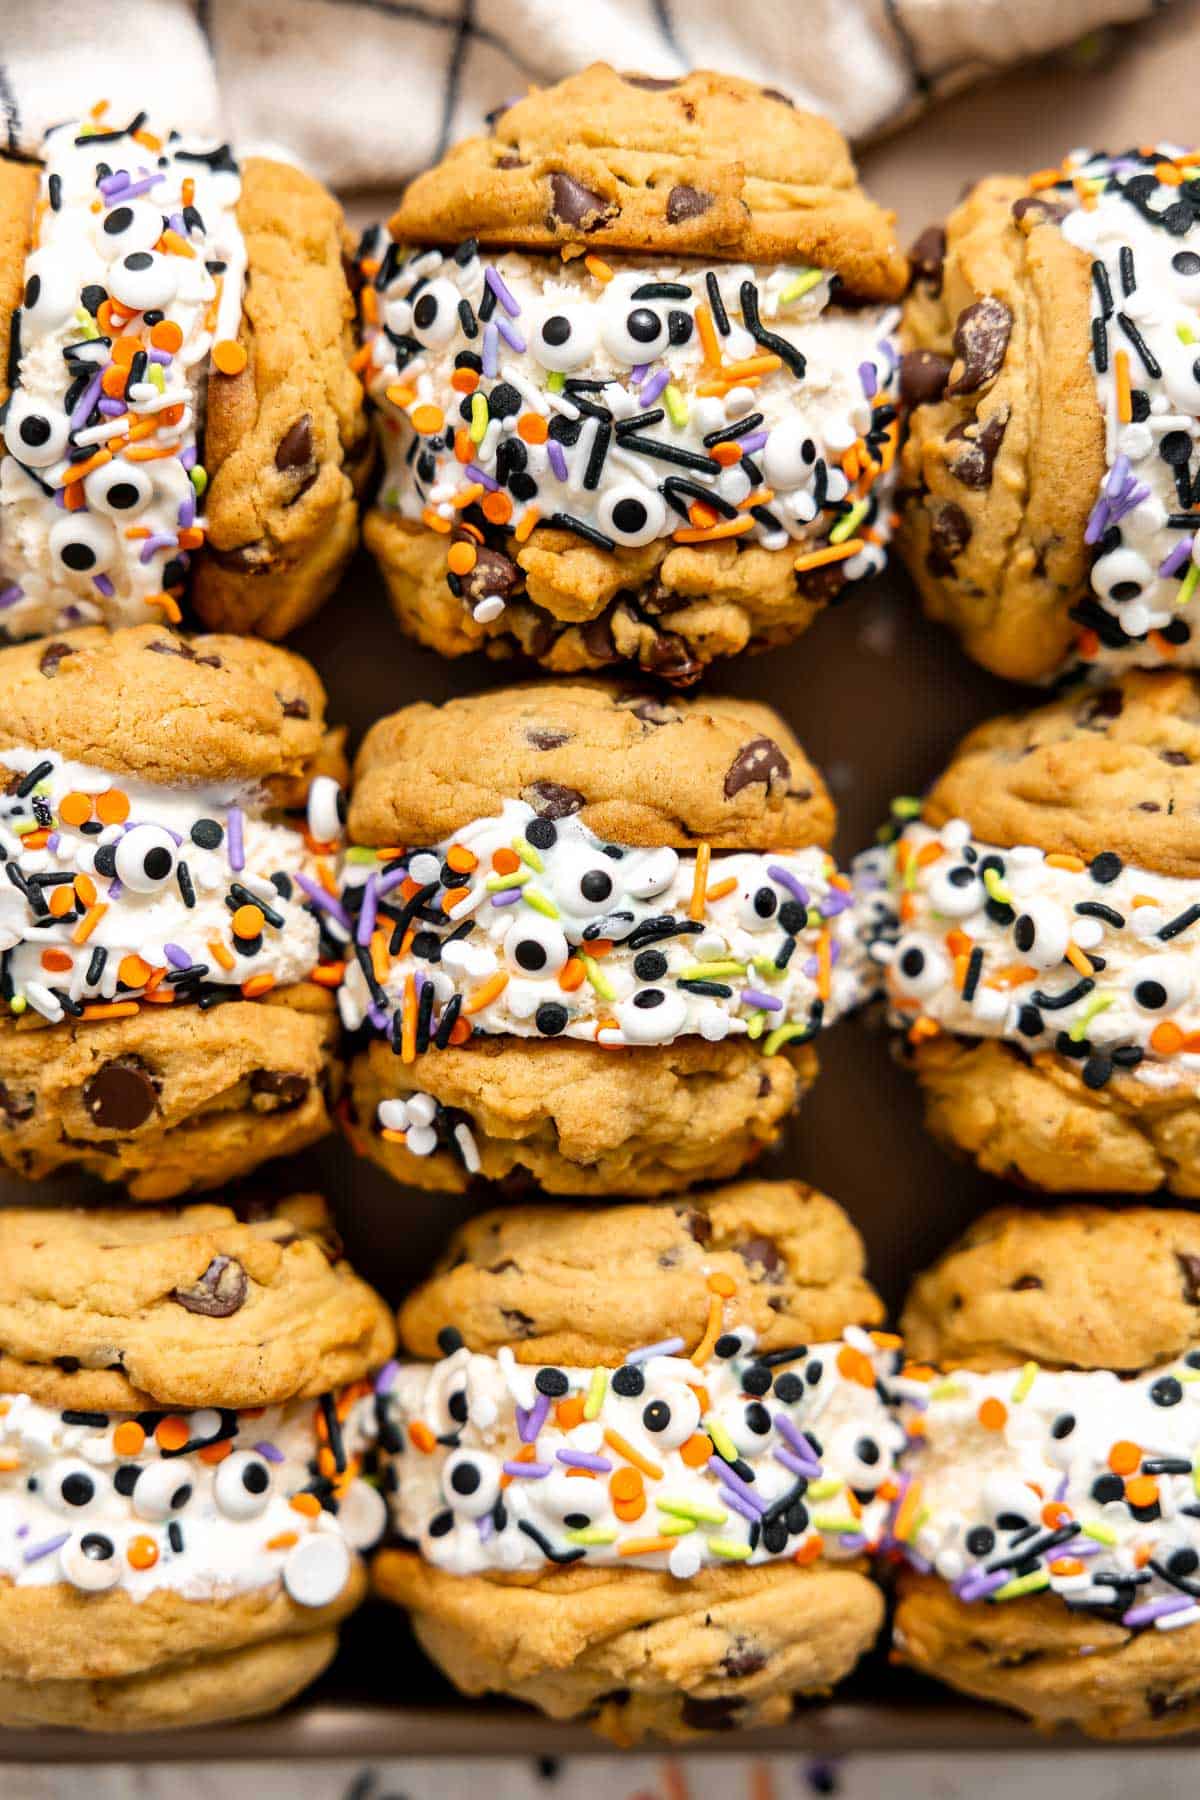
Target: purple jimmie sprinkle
233,838
496,282
159,540
187,513
1118,475
269,1452
1097,523
794,1464
188,457
104,586
756,440
870,380
511,335
10,595
1176,558
1131,496
853,1540
385,1381
378,1018
85,402
316,893
369,912
491,339
528,1471
786,879
664,1347
739,1505
1156,1609
112,184
791,1431
639,371
486,1527
393,879
756,997
530,1422
558,461
141,186
508,897
731,1480
583,1459
111,409
650,390
177,956
46,1548
478,474
977,1586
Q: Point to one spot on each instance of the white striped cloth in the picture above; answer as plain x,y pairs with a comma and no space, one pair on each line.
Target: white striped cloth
366,92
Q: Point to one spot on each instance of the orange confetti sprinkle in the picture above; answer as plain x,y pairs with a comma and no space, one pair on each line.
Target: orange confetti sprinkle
134,971
993,1415
141,1552
75,809
461,558
129,1438
532,428
171,1433
229,356
1124,1457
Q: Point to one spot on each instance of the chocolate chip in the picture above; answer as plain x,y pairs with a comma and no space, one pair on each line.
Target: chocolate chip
972,465
551,800
510,162
517,1324
980,342
699,1226
928,257
295,449
51,656
546,737
1025,1284
576,205
821,585
775,94
761,1253
709,1715
17,1106
283,1092
598,640
294,709
685,202
648,709
761,760
492,573
184,652
1189,1268
668,657
949,531
923,376
121,1095
742,1661
1035,209
653,84
220,1291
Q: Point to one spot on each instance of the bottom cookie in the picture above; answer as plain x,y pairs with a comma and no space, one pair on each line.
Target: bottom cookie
169,1099
1056,1668
638,1653
577,1118
672,609
1034,1120
206,1690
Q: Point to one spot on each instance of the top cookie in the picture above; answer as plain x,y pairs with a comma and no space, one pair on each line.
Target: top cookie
704,165
1112,770
635,769
121,1309
579,1287
1080,1287
172,710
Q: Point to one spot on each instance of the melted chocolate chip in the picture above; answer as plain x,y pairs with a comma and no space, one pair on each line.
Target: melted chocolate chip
245,559
546,737
923,376
294,709
1025,1284
493,573
121,1095
742,1661
980,343
928,257
1035,209
17,1106
649,710
1189,1268
281,1093
761,1253
51,656
295,448
949,532
220,1291
551,800
710,1715
685,202
578,206
972,465
653,84
761,760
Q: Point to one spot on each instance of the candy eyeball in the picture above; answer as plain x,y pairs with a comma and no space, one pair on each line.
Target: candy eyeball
74,1487
670,1416
144,280
131,226
631,513
918,967
758,904
83,544
119,489
51,292
1161,983
1186,265
450,1406
749,1426
570,1498
1181,376
788,455
564,338
397,316
585,883
435,318
1009,1502
243,1485
1123,576
536,946
1041,933
860,1459
650,872
956,892
633,332
145,859
89,1561
653,1015
326,809
161,1489
34,432
471,1482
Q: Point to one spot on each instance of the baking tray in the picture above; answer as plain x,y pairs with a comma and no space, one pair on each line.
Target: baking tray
878,698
